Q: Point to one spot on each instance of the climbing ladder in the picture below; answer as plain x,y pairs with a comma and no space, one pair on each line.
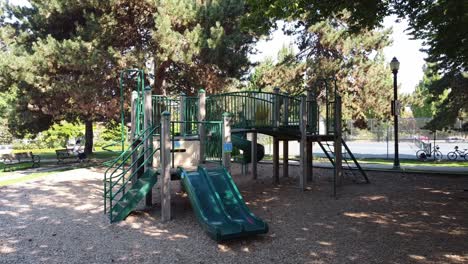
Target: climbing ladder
348,158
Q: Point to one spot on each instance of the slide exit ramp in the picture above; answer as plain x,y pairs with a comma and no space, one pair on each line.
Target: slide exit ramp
218,204
245,145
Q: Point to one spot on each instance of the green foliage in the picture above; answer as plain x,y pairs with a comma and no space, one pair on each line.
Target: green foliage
287,73
59,134
111,132
442,24
450,94
328,49
62,58
422,105
364,13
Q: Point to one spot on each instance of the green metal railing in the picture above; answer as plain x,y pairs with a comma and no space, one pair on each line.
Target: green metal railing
213,132
163,103
123,170
247,109
191,114
251,109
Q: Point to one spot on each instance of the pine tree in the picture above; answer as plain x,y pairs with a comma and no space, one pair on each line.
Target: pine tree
63,57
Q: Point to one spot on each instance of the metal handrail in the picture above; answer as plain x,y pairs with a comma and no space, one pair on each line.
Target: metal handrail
120,162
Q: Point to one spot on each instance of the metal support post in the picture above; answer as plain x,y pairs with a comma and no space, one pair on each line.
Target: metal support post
254,154
302,148
285,158
337,144
275,160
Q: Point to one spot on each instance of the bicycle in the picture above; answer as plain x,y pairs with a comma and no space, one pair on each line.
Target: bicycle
424,154
453,155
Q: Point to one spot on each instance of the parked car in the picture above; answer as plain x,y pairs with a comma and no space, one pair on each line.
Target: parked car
454,139
421,138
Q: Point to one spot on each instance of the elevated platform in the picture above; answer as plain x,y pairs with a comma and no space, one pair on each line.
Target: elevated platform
285,133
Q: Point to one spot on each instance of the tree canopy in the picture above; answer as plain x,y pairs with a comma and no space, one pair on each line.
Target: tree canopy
62,58
328,49
441,24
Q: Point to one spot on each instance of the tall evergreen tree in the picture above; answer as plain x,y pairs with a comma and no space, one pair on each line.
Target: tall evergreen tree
65,56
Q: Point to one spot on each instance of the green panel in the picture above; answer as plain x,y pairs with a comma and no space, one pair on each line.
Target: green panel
214,141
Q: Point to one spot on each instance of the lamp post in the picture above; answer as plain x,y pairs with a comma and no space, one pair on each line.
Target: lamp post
394,65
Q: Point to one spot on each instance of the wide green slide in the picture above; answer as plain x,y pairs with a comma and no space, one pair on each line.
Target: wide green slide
218,204
238,141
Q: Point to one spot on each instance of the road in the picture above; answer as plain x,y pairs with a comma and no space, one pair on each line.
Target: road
372,149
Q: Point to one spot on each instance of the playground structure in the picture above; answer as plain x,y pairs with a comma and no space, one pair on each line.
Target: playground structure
191,139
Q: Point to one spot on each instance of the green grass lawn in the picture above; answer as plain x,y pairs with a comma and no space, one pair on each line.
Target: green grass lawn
50,153
48,157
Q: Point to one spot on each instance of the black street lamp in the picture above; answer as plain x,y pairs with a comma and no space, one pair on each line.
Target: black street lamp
394,65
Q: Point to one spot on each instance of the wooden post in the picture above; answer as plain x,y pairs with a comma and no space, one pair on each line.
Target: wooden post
276,108
309,109
338,148
285,158
133,120
303,142
309,161
165,167
254,154
182,101
226,140
201,126
275,160
148,123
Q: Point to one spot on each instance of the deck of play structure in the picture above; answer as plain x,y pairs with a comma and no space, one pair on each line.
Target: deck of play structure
191,139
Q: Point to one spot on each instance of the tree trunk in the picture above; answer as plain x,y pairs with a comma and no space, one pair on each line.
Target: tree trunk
160,76
88,137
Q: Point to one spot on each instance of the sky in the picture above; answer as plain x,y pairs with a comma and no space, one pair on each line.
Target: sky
406,50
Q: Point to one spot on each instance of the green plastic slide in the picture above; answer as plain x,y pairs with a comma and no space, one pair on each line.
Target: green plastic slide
246,146
218,204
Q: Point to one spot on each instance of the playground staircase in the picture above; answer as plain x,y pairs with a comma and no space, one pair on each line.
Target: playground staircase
127,180
350,164
130,199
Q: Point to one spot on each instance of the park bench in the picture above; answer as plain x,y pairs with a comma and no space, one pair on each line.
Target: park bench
18,158
63,154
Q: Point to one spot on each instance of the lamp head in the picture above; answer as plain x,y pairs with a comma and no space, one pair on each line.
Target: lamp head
394,65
